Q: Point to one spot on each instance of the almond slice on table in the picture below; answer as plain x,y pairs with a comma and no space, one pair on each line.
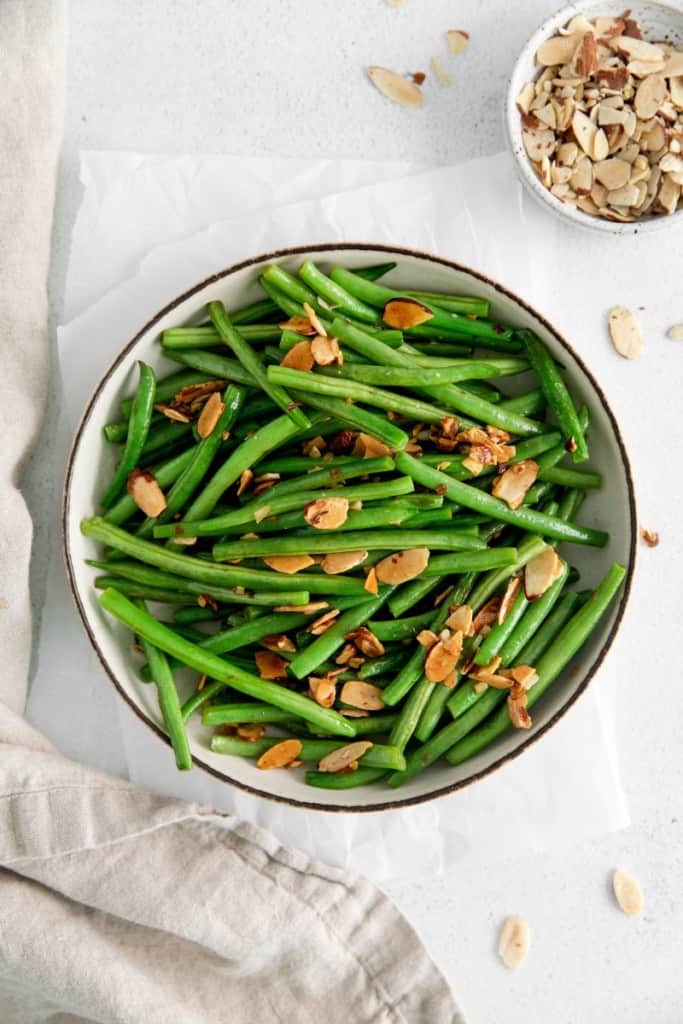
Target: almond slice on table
280,755
625,332
288,563
627,892
513,942
440,73
541,572
675,333
326,513
344,757
359,694
457,40
402,566
270,665
512,485
517,707
342,561
299,357
323,690
326,350
144,489
395,87
405,313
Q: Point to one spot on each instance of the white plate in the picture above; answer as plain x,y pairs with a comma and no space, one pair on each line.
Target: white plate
91,464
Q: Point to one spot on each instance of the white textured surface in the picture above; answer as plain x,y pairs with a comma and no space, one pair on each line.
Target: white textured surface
270,78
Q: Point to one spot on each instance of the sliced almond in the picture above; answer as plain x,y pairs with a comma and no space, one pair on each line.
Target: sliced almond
669,194
644,68
584,131
171,413
673,62
427,638
210,415
581,179
525,97
625,332
512,485
541,572
525,675
513,942
628,893
442,658
280,755
342,561
676,89
314,320
194,393
289,563
457,40
402,566
323,623
601,146
326,350
460,620
557,50
323,690
517,707
326,513
586,57
298,324
279,642
650,95
638,48
371,583
299,357
627,195
145,491
509,597
675,333
405,313
369,447
270,665
486,616
395,87
343,757
366,642
612,173
359,694
303,609
245,480
440,73
539,143
671,164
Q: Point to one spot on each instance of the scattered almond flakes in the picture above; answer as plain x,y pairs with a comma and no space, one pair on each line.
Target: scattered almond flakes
343,757
144,489
395,87
359,694
342,561
541,572
405,313
326,513
281,755
649,537
245,480
525,675
486,616
270,665
194,393
628,893
288,563
440,73
625,332
457,40
210,415
314,320
513,942
675,333
299,357
207,601
402,566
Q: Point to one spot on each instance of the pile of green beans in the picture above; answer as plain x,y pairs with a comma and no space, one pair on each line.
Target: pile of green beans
271,623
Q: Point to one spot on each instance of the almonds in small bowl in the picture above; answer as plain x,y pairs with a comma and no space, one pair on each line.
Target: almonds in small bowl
595,116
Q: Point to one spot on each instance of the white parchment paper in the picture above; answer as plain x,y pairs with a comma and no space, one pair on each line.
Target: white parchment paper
148,228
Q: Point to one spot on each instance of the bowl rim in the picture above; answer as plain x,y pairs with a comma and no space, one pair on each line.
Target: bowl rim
390,250
513,132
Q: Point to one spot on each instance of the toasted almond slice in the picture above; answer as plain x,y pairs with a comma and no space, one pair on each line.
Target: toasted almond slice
371,583
612,173
675,333
279,642
586,56
299,357
556,50
144,489
366,642
288,563
210,415
326,513
650,95
525,675
486,615
405,313
326,350
322,624
457,40
304,609
250,731
427,638
298,324
370,447
171,413
281,755
625,332
395,87
359,694
513,942
343,757
323,690
512,485
584,131
460,619
194,392
517,707
245,480
402,566
442,659
638,48
314,320
541,572
270,665
509,597
342,561
628,893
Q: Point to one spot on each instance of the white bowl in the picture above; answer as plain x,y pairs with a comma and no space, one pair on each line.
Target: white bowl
91,462
659,22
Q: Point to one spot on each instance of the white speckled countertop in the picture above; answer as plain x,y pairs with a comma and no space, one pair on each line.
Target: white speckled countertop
283,77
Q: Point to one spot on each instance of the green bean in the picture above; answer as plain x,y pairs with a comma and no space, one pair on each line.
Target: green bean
207,337
357,419
327,475
165,474
253,365
528,449
378,756
169,704
531,403
479,501
168,388
552,662
255,312
143,591
571,478
501,631
164,435
491,581
369,518
200,697
464,304
415,377
205,571
217,668
571,503
344,780
297,464
334,541
213,365
409,594
324,646
138,428
335,295
471,561
193,613
381,666
228,714
375,271
556,393
400,629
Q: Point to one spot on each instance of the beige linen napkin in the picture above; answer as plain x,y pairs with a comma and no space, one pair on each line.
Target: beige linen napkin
117,906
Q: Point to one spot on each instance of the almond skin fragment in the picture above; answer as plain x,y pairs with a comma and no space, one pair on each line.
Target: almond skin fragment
343,757
280,756
326,513
402,566
342,561
625,332
144,489
395,87
210,415
649,537
270,665
404,313
541,572
628,893
288,563
513,942
512,485
299,357
359,694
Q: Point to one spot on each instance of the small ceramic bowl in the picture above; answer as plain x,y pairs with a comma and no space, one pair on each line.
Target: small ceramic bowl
658,22
92,460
